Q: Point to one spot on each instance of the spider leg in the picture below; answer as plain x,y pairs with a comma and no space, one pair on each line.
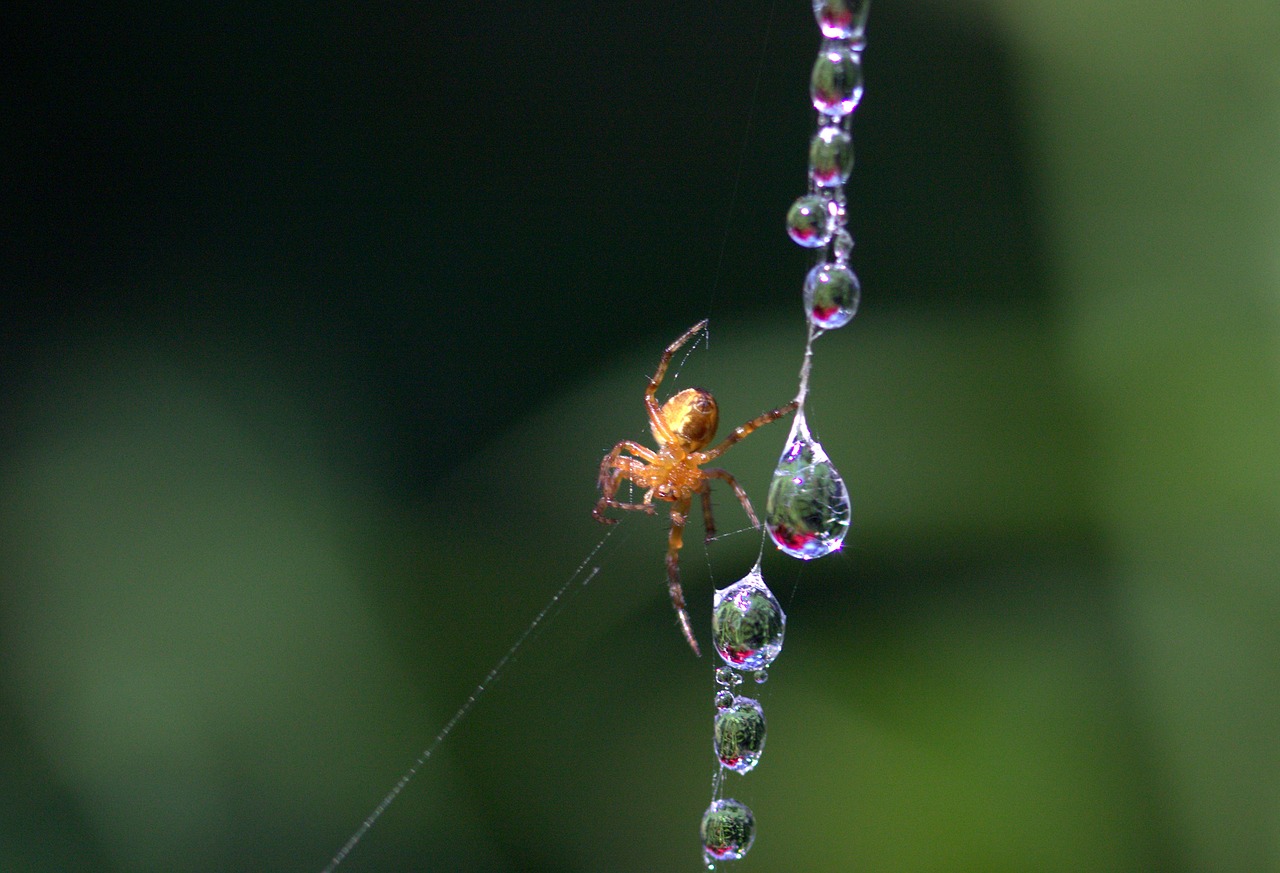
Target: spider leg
651,393
717,473
741,432
679,514
615,461
604,502
708,520
613,469
646,508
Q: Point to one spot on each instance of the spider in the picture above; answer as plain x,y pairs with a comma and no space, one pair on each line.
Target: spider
681,427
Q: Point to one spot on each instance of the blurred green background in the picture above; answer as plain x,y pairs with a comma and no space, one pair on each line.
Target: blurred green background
317,319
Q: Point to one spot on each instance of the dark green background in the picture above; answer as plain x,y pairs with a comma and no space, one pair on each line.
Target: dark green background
317,319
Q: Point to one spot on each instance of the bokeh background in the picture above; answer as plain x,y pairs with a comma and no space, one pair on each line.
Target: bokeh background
317,319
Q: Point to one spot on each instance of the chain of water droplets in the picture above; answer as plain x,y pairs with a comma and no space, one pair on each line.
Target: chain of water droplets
808,511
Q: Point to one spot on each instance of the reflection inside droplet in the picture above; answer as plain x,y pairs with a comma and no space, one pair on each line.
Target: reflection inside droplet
739,734
747,623
728,829
807,513
831,295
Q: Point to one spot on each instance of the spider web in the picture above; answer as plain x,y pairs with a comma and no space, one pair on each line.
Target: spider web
595,562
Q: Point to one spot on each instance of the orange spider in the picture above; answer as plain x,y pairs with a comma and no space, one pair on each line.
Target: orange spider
681,426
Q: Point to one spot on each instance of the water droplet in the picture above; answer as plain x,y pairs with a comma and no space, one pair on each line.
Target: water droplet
836,83
724,699
843,246
727,676
809,221
739,734
747,624
807,513
830,156
761,676
831,295
728,829
841,19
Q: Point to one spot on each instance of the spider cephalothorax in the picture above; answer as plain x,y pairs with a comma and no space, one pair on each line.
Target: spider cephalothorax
682,427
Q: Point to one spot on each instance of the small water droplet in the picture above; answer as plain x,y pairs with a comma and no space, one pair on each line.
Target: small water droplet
841,19
831,295
843,246
761,676
747,624
725,676
739,734
724,699
728,829
807,512
830,156
836,83
809,221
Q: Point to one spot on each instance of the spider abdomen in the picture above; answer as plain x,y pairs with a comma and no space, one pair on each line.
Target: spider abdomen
692,417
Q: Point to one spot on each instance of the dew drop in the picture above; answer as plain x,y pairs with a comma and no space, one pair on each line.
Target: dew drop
831,295
841,19
809,221
728,829
830,156
724,699
747,624
836,83
807,513
843,246
739,734
728,676
761,676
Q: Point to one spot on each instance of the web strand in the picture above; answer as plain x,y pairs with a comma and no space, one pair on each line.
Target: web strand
490,678
742,153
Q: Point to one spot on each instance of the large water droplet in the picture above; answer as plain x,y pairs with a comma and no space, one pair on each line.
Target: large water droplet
747,624
728,829
831,295
807,513
836,83
739,734
830,156
841,19
809,221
